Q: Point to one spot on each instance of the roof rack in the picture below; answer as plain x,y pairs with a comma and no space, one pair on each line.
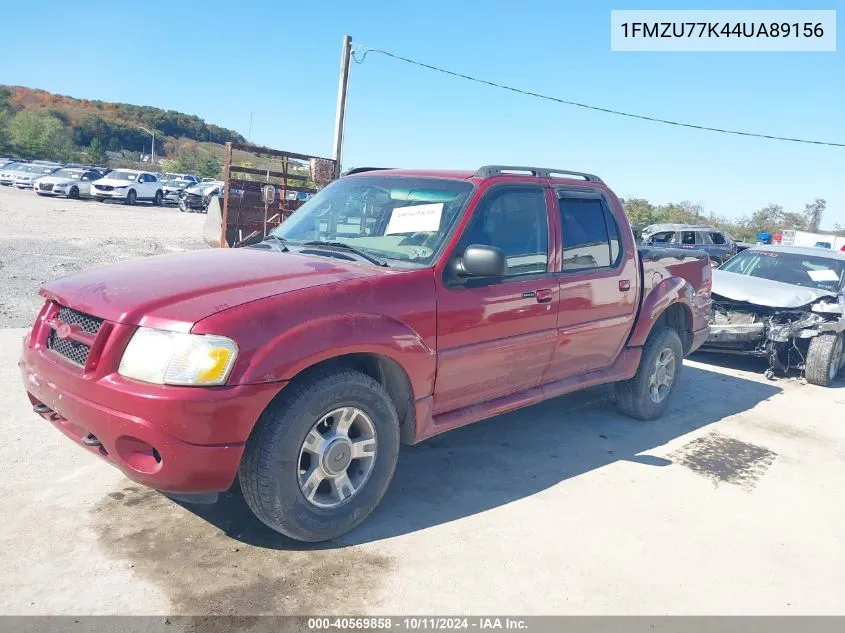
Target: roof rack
540,172
359,170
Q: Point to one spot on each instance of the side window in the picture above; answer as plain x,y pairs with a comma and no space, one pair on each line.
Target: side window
717,238
515,220
687,237
589,240
666,237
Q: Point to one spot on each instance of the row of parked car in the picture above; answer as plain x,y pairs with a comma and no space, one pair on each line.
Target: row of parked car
189,192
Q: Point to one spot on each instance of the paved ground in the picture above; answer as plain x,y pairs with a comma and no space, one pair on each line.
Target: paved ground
731,504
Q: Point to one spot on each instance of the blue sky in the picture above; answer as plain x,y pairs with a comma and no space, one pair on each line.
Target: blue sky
279,61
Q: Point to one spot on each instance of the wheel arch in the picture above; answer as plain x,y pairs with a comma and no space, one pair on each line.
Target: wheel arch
669,303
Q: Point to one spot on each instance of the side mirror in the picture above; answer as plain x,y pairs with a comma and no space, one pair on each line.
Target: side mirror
481,261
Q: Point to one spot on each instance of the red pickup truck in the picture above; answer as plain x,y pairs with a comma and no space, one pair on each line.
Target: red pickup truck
393,306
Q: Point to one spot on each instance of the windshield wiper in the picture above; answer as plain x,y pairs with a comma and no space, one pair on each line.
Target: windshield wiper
280,242
378,261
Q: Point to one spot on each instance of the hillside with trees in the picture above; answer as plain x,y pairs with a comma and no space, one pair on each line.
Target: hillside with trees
39,124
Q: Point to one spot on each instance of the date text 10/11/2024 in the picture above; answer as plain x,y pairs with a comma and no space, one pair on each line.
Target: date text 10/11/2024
418,623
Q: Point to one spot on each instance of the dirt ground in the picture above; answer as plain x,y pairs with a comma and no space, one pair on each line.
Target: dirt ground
42,238
730,504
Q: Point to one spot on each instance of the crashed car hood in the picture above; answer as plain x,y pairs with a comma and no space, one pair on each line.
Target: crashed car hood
764,292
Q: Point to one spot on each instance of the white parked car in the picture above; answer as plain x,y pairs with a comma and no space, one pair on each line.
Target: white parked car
129,186
12,170
32,172
73,182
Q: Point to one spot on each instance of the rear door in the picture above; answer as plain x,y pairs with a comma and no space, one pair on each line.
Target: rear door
495,336
598,284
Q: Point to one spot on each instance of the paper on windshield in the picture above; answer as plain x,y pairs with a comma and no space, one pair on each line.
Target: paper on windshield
823,275
413,219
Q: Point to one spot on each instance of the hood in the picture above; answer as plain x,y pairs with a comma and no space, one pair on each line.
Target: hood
175,291
115,182
56,180
764,292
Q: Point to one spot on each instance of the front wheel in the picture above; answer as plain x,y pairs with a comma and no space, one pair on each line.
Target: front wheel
73,193
646,395
158,198
322,456
824,359
131,197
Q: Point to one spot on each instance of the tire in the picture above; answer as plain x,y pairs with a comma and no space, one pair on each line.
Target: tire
131,197
73,193
272,466
824,359
182,206
158,198
634,396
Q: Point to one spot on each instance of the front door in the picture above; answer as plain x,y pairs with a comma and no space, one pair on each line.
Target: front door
495,336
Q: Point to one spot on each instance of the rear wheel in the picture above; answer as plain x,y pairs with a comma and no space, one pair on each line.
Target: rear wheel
73,193
322,456
646,395
824,359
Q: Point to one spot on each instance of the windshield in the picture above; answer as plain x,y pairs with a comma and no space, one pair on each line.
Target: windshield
68,173
393,217
123,175
811,271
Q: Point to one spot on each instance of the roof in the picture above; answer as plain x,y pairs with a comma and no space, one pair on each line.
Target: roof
800,250
451,174
669,226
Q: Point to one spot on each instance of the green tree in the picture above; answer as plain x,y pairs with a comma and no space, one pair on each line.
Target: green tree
187,160
5,142
33,132
209,167
96,155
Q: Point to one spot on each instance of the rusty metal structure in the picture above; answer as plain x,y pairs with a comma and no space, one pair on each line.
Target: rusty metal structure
263,187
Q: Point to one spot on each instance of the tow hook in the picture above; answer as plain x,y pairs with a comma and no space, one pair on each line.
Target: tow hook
91,440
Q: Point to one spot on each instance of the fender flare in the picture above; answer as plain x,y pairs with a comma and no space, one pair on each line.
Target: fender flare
669,292
318,340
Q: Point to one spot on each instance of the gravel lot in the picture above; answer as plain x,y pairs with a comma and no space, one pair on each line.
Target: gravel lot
42,238
730,504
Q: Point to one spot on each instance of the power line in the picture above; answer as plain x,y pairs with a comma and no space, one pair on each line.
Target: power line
363,50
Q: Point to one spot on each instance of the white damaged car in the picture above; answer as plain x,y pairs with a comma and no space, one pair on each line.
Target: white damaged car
785,304
73,182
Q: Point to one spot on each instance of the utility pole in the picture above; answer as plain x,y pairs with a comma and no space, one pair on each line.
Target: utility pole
340,115
153,152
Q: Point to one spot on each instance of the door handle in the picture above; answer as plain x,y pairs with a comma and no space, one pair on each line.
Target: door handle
544,295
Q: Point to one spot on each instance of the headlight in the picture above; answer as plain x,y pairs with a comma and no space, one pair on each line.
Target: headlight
175,358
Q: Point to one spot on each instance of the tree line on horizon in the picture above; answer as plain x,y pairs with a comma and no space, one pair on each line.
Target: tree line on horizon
35,124
769,219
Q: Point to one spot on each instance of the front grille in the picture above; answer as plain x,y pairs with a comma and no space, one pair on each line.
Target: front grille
104,187
86,322
73,351
45,187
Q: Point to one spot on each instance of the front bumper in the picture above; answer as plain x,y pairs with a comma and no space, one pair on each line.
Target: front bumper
115,194
175,439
